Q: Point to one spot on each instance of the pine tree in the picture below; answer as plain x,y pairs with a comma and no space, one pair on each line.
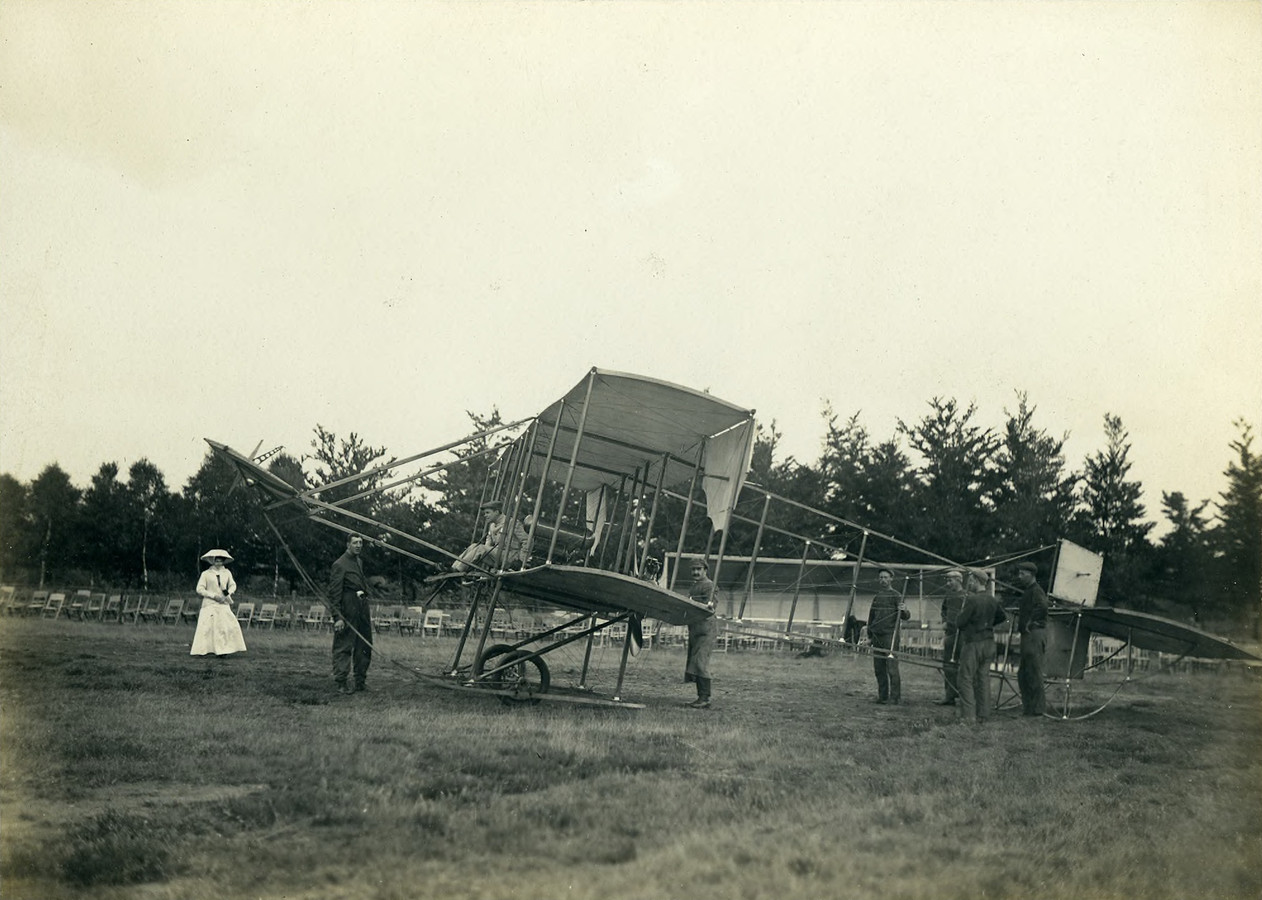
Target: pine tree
1110,519
956,479
1181,572
1237,534
53,505
13,530
1034,499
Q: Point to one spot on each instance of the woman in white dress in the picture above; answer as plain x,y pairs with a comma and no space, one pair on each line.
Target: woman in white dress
218,631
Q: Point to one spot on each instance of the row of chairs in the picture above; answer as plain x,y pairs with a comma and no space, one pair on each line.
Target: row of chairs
89,606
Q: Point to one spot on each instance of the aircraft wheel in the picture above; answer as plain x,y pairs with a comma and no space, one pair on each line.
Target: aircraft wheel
526,675
483,662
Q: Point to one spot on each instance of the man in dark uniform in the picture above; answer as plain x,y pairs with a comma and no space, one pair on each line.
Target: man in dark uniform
702,636
1031,624
883,626
352,619
976,622
952,603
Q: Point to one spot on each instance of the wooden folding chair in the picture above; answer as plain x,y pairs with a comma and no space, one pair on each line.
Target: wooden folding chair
131,609
150,610
171,615
267,615
54,606
95,607
35,605
78,603
192,609
315,617
113,608
433,622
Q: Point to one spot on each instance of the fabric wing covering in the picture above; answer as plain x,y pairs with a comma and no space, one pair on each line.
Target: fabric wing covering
1149,632
629,420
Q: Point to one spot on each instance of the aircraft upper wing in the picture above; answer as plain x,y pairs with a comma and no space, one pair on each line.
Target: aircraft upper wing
1150,632
628,419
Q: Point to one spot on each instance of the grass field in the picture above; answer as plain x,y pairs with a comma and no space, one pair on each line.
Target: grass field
133,770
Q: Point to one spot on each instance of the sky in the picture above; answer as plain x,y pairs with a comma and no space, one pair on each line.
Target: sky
241,220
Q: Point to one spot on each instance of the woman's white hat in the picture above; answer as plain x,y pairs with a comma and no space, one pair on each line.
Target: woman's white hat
212,554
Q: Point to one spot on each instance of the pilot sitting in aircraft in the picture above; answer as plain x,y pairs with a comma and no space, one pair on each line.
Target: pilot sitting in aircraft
504,546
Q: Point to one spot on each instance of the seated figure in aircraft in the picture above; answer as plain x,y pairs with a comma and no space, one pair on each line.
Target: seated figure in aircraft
504,546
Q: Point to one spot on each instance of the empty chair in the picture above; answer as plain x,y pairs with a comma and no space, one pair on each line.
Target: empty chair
78,603
245,614
8,593
502,624
409,621
53,608
192,609
150,610
433,622
113,608
285,615
171,615
649,629
131,609
35,606
94,608
267,615
385,619
615,634
315,617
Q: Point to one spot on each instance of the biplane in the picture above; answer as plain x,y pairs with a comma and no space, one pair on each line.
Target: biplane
613,489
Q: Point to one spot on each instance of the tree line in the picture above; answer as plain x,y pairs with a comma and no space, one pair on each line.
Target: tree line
942,482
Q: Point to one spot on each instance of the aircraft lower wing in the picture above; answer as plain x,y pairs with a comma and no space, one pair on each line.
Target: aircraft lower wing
602,592
1148,632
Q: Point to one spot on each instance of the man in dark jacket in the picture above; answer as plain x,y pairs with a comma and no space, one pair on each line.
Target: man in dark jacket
952,603
352,619
1031,624
976,622
884,618
702,636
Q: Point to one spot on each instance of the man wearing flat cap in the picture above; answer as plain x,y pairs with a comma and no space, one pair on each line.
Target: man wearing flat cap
952,603
976,622
1031,624
503,547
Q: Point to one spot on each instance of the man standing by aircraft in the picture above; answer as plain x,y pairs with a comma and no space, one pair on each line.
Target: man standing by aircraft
1031,625
976,623
952,603
702,636
352,619
884,618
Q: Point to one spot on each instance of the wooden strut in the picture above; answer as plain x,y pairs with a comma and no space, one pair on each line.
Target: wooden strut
543,479
569,472
683,529
854,585
394,464
753,556
797,587
419,475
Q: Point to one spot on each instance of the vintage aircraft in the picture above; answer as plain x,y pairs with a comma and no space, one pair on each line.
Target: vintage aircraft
604,496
